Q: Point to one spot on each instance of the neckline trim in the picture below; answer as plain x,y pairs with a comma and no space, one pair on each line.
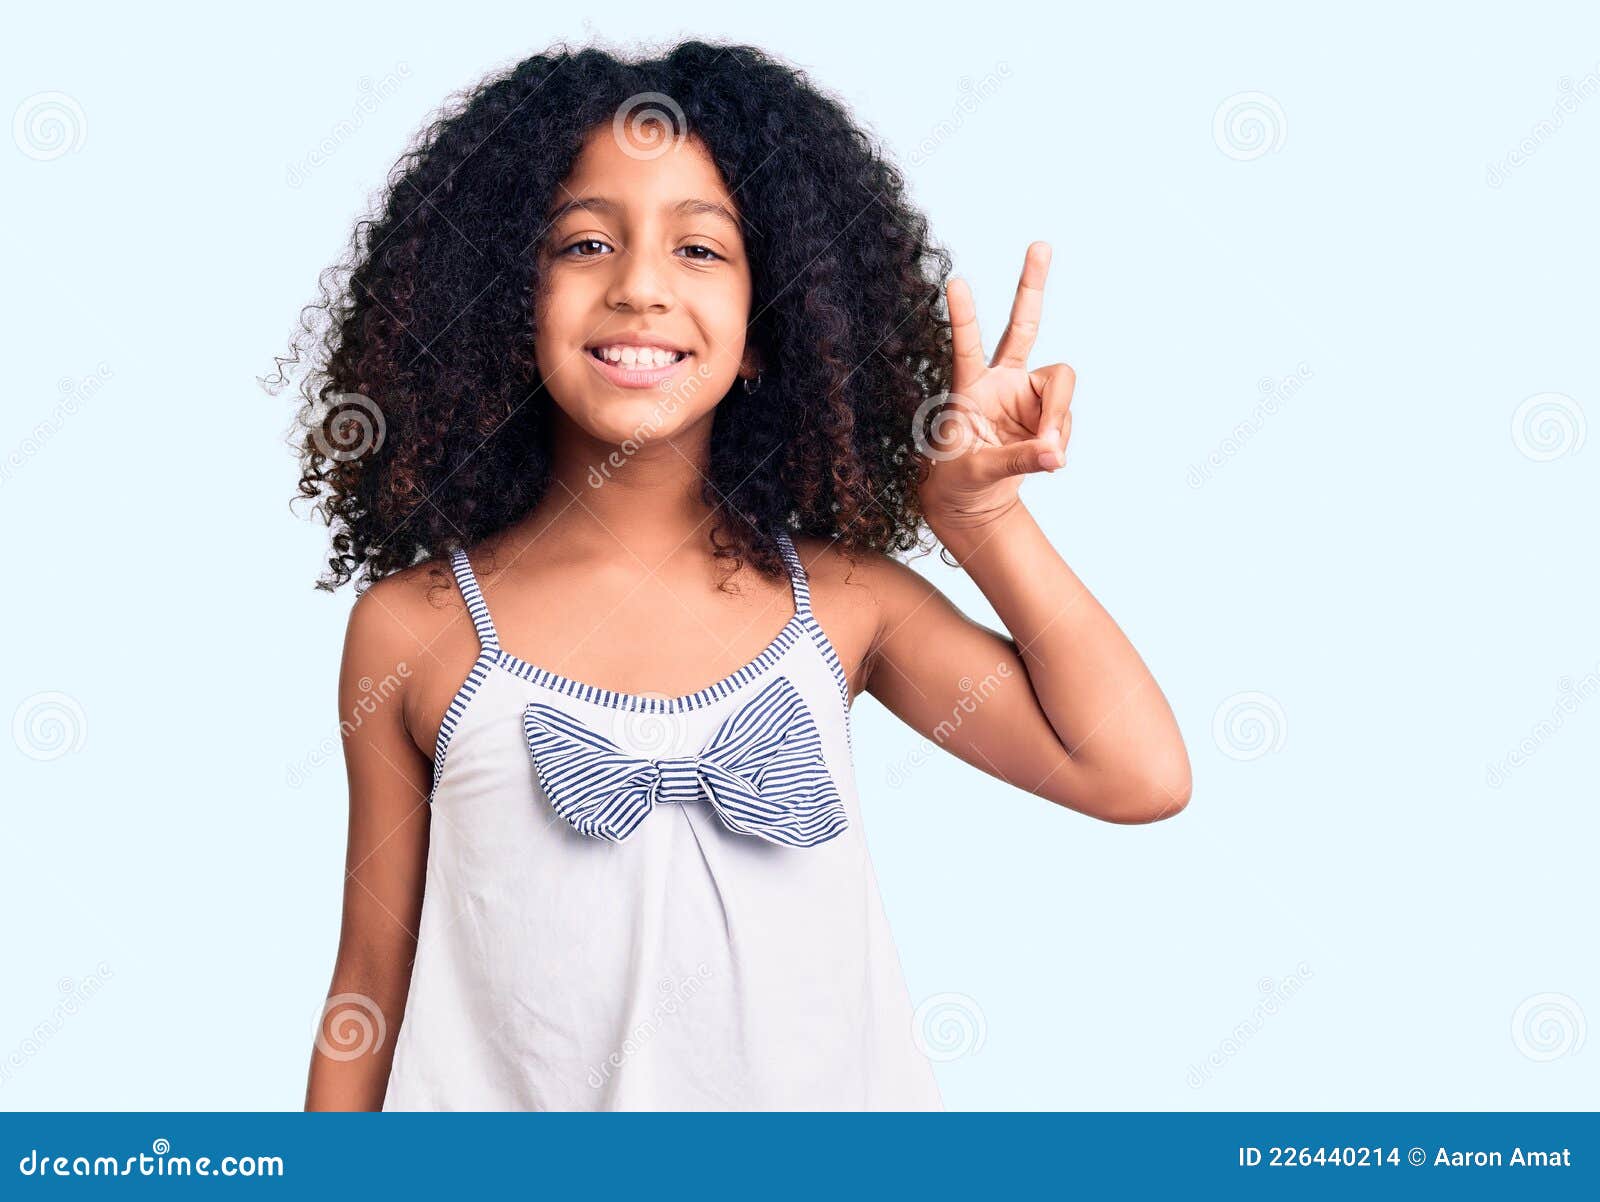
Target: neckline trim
491,650
491,655
490,658
650,702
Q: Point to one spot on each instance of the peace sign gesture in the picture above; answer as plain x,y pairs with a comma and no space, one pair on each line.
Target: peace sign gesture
999,421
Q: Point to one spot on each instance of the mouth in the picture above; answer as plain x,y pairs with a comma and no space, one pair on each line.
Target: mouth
634,366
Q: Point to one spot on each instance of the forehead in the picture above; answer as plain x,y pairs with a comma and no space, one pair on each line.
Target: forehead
644,167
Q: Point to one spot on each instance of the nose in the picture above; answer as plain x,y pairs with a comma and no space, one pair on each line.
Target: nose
638,284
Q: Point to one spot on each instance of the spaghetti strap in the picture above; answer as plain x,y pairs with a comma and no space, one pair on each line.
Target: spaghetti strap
797,573
473,596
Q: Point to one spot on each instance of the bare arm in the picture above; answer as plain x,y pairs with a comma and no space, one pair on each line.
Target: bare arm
385,864
1063,707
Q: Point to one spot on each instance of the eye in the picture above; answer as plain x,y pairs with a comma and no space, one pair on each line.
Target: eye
707,256
579,246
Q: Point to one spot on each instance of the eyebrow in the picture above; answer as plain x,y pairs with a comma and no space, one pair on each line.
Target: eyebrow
693,206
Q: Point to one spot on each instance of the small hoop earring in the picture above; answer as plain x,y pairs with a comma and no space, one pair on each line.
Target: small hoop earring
749,387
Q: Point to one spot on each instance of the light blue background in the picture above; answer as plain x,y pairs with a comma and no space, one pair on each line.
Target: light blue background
1407,587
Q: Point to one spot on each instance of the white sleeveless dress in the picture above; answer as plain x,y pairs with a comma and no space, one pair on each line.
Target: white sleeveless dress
637,902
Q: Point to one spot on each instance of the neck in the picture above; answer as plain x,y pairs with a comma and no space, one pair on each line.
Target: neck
645,495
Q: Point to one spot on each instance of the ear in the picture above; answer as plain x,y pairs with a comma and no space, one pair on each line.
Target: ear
750,364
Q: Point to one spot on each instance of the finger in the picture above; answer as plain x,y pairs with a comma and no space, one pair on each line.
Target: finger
1016,344
1057,436
1054,386
993,464
967,345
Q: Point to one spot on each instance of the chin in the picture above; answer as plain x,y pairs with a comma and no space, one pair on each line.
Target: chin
631,419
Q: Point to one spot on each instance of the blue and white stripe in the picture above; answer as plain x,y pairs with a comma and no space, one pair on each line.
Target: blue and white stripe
467,581
763,773
808,622
802,625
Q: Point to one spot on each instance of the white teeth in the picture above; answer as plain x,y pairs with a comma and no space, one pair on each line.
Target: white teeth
638,356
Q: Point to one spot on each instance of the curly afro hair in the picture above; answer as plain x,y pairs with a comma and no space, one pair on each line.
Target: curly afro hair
421,341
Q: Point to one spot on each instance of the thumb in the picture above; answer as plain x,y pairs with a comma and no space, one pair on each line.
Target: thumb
1017,459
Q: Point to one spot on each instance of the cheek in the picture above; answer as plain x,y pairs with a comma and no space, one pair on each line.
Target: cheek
555,327
566,289
729,321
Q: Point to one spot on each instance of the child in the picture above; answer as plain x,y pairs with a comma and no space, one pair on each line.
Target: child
639,363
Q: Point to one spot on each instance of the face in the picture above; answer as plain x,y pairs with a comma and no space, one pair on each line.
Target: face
641,326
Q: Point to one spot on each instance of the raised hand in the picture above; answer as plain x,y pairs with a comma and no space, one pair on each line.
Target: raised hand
1000,421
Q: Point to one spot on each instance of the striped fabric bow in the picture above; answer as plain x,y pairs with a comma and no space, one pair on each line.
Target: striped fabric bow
763,773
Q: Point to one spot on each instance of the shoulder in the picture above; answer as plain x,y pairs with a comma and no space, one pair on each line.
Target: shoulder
410,634
396,621
393,610
859,598
854,578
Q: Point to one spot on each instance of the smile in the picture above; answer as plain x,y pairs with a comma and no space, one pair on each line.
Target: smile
637,356
635,366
